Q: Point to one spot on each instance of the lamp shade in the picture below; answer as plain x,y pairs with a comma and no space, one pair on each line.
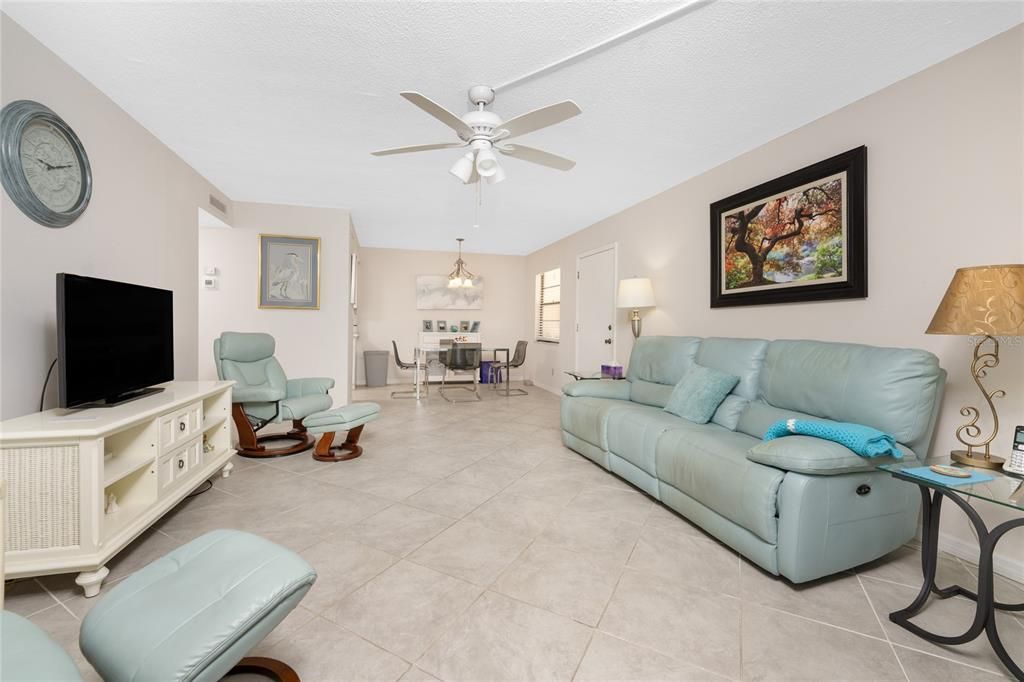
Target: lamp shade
984,300
636,292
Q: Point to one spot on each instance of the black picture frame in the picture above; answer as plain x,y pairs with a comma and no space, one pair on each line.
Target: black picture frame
854,164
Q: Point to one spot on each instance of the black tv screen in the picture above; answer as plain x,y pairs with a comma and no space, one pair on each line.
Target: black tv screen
113,339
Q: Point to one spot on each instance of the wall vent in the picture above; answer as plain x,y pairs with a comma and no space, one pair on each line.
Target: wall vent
218,204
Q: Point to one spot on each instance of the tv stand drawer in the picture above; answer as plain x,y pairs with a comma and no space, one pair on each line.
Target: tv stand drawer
180,426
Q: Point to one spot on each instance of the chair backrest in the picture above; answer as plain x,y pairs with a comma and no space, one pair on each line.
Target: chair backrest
248,359
519,357
398,360
463,356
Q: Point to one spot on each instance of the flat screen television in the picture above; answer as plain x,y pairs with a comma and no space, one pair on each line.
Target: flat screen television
114,340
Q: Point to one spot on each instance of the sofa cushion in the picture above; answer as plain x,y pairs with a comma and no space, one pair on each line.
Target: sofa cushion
815,456
741,358
759,415
633,433
587,418
709,463
890,389
656,365
699,394
729,412
27,654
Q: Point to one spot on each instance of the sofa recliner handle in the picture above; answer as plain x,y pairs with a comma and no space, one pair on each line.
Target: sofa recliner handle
863,489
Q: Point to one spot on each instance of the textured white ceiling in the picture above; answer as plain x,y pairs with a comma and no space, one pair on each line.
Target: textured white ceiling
283,102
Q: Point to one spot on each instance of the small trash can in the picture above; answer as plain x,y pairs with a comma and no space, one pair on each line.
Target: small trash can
485,372
376,362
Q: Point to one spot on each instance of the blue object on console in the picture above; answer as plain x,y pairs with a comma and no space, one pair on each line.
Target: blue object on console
864,440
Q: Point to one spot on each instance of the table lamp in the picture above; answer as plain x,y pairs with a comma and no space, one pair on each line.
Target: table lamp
985,301
636,293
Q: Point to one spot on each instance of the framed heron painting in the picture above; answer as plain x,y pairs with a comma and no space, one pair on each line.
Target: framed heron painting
289,272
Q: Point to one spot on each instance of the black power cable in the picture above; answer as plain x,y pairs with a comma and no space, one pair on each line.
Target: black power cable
46,381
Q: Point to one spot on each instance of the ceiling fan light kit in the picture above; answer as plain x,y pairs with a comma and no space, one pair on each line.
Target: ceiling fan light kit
481,130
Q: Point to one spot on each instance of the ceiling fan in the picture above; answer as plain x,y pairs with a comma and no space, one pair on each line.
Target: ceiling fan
484,133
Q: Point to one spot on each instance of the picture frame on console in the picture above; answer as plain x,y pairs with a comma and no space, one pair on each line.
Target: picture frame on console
799,237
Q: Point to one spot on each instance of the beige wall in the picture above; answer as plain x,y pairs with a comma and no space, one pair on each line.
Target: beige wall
139,227
387,301
310,343
945,179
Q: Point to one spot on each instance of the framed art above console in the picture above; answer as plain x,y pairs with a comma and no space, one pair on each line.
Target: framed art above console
799,237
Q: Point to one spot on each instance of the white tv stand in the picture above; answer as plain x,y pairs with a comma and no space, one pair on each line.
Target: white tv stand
63,466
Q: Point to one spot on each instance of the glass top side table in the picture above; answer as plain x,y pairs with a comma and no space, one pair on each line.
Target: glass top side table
592,376
1004,490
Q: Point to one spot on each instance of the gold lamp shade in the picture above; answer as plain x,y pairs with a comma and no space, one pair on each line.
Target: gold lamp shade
983,301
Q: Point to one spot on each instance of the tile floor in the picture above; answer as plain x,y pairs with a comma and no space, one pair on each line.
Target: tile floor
468,544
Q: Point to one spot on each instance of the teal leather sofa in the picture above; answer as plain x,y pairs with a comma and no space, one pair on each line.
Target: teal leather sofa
797,506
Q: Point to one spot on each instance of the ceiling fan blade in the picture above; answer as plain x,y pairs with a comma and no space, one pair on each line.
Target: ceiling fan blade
419,148
440,113
518,151
541,118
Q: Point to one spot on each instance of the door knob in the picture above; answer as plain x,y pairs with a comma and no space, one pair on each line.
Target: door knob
608,341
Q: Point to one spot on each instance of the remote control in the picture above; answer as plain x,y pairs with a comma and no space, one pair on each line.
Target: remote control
950,471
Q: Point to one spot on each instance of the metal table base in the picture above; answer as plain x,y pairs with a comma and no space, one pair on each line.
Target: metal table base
986,604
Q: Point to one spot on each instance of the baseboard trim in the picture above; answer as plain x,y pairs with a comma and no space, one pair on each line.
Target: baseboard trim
1001,563
555,391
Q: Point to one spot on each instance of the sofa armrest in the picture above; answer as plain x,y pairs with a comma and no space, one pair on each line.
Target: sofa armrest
309,386
590,388
818,457
256,394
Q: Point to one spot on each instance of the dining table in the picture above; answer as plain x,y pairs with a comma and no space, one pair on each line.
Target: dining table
422,354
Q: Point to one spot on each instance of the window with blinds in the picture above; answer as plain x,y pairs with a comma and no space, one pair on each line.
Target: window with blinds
549,305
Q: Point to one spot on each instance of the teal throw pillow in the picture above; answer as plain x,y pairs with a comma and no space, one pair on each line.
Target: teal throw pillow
699,393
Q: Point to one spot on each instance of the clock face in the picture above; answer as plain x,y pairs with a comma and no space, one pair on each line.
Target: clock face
51,166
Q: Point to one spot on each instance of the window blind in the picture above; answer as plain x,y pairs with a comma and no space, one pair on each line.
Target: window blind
549,305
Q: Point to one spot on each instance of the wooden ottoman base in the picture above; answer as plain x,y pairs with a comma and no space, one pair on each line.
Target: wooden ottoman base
265,667
325,451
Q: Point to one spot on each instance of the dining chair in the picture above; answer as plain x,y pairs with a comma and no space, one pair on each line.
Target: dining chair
406,365
518,358
462,358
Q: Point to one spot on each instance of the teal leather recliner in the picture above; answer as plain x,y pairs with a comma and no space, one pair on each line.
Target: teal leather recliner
264,395
799,507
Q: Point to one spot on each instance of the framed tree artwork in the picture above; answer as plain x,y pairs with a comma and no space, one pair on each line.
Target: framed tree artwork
799,237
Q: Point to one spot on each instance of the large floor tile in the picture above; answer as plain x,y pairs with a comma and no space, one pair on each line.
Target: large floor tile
690,559
778,646
471,551
399,529
836,600
487,475
405,608
680,621
320,651
904,566
450,499
921,667
26,596
514,514
592,534
571,584
626,505
342,566
943,617
610,658
502,639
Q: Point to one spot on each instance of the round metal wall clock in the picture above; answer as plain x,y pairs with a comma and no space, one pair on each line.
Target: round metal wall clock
43,165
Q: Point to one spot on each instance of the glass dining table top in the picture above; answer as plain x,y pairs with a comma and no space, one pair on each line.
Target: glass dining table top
1003,489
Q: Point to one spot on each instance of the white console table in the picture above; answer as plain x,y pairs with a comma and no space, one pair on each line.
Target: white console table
63,468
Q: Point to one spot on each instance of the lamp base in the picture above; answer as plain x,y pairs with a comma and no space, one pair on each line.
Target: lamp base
636,323
962,457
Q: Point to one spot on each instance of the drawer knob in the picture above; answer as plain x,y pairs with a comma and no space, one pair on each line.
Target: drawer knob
181,464
181,426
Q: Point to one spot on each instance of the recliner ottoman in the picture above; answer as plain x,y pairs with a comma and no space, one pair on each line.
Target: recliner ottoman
195,613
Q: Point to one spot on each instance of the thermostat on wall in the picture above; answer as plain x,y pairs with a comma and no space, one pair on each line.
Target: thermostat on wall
209,282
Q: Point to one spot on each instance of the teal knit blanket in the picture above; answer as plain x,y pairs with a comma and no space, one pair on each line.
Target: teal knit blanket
864,440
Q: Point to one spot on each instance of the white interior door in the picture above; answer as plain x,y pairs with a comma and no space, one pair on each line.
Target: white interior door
595,308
